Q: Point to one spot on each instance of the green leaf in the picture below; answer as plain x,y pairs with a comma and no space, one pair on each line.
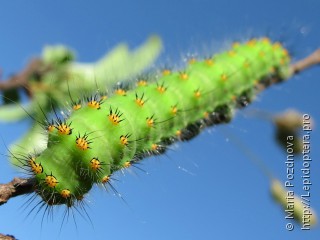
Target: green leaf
34,141
15,112
57,55
117,65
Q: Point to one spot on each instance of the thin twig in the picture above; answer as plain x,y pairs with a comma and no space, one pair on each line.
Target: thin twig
21,80
309,61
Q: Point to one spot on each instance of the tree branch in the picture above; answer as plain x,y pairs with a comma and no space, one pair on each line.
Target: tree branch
21,80
7,237
20,186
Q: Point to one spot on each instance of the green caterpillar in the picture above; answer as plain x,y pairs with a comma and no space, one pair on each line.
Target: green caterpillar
105,134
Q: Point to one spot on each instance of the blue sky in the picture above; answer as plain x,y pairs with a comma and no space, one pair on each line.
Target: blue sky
203,189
